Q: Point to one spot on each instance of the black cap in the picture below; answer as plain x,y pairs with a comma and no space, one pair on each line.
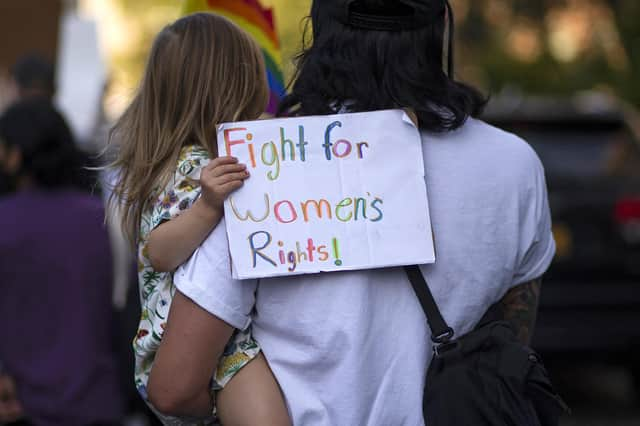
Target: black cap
394,15
390,15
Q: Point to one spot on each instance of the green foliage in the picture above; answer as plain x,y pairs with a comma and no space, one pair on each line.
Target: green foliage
608,38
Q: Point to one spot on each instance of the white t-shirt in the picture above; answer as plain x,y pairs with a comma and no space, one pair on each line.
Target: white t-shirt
351,348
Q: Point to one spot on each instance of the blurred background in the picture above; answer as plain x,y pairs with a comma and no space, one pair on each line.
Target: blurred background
563,74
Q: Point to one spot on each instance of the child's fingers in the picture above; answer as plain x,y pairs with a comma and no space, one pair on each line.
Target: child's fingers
231,186
231,177
219,162
226,169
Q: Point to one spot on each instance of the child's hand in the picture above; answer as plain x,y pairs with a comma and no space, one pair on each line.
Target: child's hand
220,178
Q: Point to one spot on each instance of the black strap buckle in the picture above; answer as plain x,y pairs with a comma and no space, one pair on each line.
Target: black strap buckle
444,337
445,349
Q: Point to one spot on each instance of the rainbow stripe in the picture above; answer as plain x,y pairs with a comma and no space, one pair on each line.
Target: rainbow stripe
257,21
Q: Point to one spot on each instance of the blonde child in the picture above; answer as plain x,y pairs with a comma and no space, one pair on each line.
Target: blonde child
202,70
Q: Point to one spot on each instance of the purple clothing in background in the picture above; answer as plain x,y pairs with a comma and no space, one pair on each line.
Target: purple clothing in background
55,307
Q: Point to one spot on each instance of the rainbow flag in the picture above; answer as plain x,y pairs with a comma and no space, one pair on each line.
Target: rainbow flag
257,21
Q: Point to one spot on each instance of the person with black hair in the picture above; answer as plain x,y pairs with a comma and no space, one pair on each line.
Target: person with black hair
31,77
351,348
56,350
371,55
34,77
37,147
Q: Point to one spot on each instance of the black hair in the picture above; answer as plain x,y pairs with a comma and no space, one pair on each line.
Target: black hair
42,136
364,70
34,72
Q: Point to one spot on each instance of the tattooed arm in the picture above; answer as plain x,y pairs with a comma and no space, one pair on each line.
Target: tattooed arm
520,306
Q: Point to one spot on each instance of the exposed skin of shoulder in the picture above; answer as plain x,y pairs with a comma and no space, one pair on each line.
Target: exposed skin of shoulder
520,306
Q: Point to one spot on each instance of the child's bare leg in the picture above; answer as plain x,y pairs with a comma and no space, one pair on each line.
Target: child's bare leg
253,398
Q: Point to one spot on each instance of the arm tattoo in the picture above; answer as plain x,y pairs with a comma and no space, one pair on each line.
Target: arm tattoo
520,306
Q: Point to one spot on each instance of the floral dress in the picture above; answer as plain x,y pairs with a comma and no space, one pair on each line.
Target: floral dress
157,288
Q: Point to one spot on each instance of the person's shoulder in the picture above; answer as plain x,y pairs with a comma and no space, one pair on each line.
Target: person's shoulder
191,161
64,197
479,140
8,201
12,206
182,188
84,204
88,200
487,136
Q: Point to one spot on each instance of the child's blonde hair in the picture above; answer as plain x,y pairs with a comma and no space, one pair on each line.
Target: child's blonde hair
202,70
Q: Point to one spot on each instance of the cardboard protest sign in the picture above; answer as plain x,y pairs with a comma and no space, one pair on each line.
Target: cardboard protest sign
327,193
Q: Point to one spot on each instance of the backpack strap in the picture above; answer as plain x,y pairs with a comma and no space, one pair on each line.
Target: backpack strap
440,331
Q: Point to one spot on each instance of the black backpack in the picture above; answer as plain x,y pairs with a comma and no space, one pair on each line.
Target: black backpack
486,377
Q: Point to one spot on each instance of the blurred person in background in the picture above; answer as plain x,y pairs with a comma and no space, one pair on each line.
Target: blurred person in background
34,77
55,261
30,77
